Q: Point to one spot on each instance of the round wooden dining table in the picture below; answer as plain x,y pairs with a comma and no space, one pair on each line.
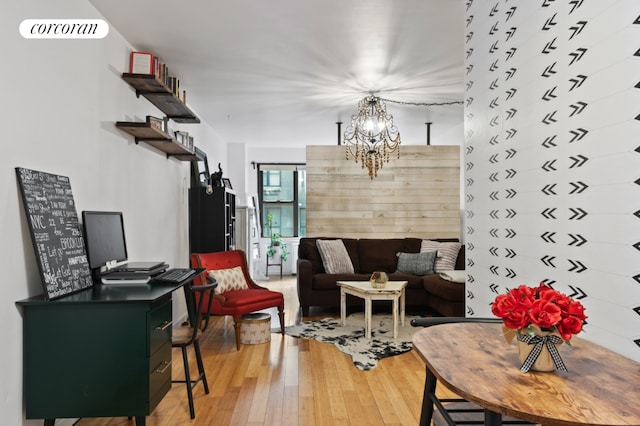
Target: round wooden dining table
601,387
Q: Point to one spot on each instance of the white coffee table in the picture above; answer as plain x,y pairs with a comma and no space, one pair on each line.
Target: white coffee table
394,291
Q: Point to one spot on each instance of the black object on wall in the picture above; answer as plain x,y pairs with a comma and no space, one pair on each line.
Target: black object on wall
212,219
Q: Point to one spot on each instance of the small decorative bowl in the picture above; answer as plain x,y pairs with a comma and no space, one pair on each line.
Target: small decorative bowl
378,285
379,279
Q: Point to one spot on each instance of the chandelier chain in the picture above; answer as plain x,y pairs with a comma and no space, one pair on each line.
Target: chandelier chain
422,103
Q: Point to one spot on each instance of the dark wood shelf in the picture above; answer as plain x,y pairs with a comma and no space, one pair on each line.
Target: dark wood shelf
143,132
161,96
197,155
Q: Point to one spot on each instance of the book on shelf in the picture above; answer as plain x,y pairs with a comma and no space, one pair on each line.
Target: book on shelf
155,123
141,63
181,137
147,63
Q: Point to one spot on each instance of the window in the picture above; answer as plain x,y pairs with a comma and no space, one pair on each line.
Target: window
282,193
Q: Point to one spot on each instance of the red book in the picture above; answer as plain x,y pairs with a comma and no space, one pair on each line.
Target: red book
141,63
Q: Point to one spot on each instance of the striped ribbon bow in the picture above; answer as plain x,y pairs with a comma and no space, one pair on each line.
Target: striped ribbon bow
540,341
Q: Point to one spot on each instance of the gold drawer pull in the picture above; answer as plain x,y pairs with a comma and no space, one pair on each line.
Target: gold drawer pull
165,325
167,364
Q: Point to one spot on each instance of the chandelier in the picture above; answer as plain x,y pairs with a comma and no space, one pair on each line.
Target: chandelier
371,136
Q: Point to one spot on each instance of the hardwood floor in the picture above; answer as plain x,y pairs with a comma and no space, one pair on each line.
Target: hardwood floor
288,381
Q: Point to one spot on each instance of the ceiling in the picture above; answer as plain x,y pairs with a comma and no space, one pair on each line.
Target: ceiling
283,72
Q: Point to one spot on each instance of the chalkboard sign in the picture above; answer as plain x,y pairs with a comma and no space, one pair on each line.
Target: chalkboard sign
55,232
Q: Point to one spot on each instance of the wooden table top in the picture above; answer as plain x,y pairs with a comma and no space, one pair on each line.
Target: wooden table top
474,361
365,286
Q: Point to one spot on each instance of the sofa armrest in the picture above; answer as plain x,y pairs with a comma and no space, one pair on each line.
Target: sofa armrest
304,279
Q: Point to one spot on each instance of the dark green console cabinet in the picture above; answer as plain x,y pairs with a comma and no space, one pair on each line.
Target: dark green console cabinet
102,352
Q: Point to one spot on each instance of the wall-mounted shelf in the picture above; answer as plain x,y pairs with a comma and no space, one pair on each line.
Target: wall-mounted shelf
143,132
161,96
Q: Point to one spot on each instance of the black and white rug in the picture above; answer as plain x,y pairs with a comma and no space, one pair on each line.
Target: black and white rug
350,339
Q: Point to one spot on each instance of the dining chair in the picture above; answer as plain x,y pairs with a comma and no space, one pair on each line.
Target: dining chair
453,411
236,302
183,337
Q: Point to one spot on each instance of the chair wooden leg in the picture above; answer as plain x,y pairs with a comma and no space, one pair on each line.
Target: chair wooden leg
203,375
187,380
281,315
236,326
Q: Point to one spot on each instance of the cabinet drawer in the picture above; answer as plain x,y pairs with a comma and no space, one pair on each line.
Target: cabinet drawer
159,374
159,327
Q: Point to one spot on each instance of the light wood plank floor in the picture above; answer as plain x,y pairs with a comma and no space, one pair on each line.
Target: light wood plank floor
289,381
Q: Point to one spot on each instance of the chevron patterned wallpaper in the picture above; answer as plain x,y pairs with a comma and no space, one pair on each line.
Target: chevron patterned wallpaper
552,157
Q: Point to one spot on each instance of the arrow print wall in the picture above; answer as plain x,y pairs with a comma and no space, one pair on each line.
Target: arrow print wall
578,134
577,213
576,266
577,240
547,237
549,213
578,161
577,81
577,108
575,4
578,187
549,189
577,28
577,293
577,55
558,153
550,141
548,260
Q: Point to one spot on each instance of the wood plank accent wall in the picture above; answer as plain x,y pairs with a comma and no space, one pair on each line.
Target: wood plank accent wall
417,195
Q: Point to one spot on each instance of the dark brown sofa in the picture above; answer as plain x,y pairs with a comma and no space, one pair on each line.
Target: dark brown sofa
317,288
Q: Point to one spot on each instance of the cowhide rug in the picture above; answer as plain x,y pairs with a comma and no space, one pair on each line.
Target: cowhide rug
350,339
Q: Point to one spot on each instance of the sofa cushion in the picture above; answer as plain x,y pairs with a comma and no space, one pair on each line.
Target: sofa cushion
309,250
329,281
447,253
379,254
411,245
335,257
443,289
455,276
413,281
416,263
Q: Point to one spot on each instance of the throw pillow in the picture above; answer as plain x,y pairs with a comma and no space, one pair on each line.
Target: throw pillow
334,256
229,279
416,263
447,254
455,276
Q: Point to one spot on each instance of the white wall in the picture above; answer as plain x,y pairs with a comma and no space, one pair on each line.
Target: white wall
551,161
61,100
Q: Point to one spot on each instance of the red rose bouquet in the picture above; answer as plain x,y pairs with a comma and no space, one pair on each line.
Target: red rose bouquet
524,307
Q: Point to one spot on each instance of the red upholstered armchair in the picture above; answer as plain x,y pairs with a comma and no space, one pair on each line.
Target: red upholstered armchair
237,302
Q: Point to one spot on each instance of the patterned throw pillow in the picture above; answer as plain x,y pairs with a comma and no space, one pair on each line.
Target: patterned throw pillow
229,279
416,263
334,256
447,254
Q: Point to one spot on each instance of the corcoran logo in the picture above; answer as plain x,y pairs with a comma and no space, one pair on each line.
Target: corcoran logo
64,28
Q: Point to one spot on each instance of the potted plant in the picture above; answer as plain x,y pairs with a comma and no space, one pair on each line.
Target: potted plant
275,242
540,318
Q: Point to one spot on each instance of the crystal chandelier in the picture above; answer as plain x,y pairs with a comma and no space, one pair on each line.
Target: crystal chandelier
371,136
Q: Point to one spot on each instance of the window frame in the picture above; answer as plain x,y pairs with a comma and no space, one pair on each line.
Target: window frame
295,168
